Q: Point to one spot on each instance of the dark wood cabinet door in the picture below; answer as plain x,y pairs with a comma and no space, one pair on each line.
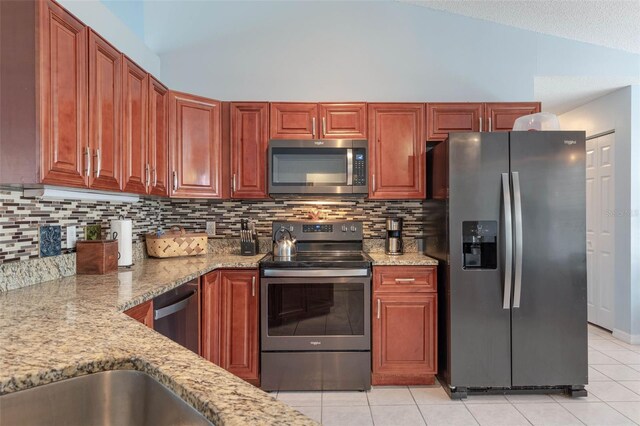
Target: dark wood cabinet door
195,151
105,116
444,118
134,93
404,339
63,97
211,316
502,115
249,140
294,120
239,324
397,149
142,313
158,138
343,120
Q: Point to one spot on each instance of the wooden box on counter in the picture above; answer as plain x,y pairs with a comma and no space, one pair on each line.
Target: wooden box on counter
96,257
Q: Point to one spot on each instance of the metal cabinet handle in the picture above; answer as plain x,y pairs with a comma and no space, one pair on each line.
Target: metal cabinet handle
175,180
313,127
373,182
490,126
253,286
147,173
233,183
324,126
172,309
405,280
378,314
480,120
155,176
517,217
508,242
87,161
98,162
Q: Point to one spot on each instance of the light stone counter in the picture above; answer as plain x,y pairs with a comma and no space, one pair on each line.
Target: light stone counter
75,325
406,259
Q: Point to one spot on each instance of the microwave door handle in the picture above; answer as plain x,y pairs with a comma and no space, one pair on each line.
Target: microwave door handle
349,166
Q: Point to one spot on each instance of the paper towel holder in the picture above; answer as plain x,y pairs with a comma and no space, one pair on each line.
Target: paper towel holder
117,236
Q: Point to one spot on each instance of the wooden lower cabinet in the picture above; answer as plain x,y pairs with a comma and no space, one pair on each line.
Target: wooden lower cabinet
404,347
142,313
230,331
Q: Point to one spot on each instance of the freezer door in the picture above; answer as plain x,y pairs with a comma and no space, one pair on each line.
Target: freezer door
549,315
478,325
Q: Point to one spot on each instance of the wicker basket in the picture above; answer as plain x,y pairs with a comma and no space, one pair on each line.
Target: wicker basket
176,242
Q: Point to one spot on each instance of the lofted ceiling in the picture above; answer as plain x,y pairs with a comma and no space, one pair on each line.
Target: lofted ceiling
609,23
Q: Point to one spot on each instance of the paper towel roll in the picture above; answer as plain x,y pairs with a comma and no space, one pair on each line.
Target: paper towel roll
124,230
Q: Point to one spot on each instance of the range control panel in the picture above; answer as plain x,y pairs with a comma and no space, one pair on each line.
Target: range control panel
348,230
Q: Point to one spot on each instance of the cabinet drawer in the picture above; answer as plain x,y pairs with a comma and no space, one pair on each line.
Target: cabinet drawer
404,279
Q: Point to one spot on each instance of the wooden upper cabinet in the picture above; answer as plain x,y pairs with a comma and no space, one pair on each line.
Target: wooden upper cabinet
501,116
239,334
294,120
343,120
158,154
105,106
195,154
134,93
443,118
63,97
397,151
142,313
249,144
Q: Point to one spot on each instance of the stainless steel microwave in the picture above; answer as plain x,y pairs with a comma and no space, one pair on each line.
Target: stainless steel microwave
321,167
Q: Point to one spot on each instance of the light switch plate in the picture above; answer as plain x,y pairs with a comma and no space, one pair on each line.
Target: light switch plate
211,229
71,237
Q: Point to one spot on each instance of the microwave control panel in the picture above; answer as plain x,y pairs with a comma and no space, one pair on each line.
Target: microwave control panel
359,167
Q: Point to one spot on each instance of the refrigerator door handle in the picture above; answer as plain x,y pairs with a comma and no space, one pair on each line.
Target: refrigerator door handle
517,207
508,242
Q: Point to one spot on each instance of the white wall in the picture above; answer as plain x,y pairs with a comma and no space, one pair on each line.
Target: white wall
96,15
384,51
614,112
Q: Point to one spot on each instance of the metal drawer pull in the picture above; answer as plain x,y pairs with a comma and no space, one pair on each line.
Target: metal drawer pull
172,309
253,286
480,120
378,308
405,280
175,180
313,127
324,126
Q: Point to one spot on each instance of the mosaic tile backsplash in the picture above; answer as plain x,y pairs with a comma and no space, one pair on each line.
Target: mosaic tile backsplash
20,217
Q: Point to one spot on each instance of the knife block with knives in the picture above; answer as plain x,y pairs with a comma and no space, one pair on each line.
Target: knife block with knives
248,238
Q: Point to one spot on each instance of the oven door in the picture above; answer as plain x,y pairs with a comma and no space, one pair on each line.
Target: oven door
317,167
311,312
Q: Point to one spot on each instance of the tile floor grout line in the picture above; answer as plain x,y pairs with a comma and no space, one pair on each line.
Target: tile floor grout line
417,406
618,411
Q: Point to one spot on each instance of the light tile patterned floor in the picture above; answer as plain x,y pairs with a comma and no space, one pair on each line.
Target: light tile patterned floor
614,399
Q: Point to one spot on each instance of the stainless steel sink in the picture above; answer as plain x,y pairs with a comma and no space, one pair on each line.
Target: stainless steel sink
119,398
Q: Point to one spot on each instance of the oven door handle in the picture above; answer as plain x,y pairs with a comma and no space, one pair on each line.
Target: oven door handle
315,273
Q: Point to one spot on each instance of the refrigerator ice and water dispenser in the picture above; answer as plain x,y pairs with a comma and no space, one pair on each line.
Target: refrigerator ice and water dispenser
479,244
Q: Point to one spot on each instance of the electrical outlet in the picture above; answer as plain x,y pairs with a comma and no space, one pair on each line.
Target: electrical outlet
71,237
211,229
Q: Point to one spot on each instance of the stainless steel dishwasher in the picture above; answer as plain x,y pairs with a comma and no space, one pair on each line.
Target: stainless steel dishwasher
176,314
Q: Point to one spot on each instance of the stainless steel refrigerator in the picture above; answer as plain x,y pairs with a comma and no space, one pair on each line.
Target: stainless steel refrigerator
507,220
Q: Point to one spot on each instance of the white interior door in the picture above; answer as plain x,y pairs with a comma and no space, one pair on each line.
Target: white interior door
600,230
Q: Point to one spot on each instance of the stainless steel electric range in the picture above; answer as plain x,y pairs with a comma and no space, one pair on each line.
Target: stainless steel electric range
316,310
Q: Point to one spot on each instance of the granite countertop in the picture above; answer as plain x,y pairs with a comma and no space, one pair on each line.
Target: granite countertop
406,259
75,325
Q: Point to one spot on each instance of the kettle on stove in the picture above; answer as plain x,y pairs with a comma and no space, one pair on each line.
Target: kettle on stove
285,247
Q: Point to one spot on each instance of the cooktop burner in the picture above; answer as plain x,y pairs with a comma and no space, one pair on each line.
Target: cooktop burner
319,260
320,244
